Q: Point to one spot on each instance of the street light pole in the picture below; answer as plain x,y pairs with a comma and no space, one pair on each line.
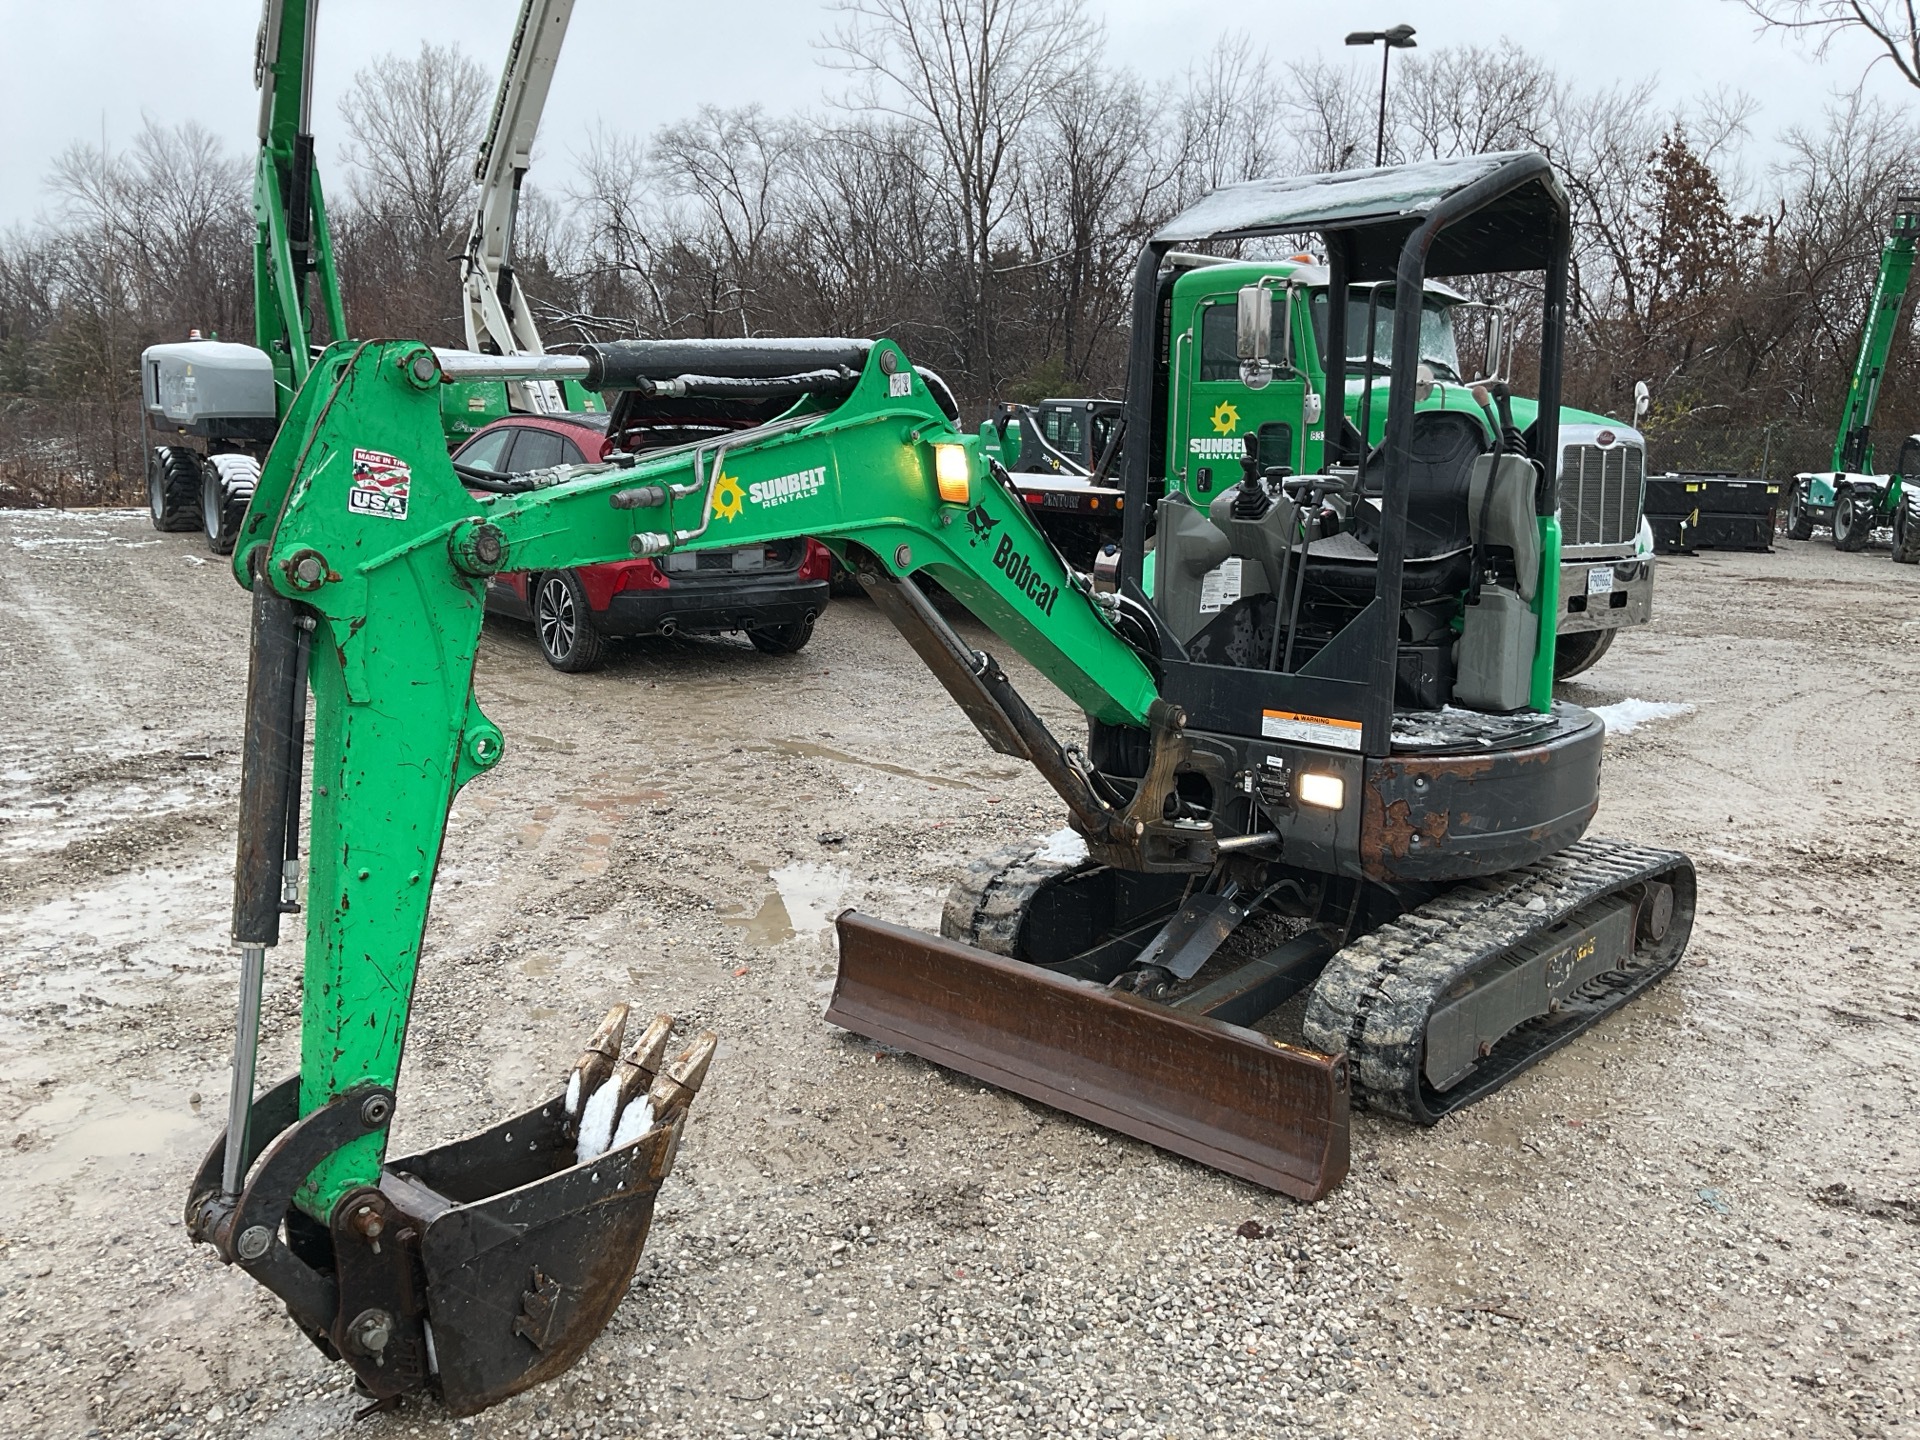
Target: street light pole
1400,37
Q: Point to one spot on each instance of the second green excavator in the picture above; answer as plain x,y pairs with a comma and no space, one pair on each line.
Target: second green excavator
1345,781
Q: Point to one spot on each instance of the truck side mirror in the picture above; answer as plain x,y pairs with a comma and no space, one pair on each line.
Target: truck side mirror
1496,346
1254,334
1642,402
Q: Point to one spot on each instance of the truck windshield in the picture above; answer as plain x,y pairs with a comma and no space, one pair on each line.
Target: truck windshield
1437,346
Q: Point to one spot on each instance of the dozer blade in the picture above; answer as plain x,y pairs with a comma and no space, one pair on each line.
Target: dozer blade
1220,1094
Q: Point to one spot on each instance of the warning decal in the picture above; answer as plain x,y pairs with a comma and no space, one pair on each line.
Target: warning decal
380,484
1310,729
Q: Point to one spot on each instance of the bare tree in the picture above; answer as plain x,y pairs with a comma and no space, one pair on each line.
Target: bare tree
1892,26
416,127
1227,122
974,76
734,169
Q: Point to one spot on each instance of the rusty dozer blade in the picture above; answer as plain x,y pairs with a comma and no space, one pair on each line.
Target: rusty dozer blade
1221,1094
471,1271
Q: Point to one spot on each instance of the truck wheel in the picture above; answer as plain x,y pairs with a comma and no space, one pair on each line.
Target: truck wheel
1852,522
568,637
173,487
1799,522
1579,651
226,487
1906,527
782,639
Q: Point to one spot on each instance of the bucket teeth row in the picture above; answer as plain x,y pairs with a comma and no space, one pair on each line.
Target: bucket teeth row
616,1103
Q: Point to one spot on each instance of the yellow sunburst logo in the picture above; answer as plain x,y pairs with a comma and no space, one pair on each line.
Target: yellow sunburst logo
1226,419
728,498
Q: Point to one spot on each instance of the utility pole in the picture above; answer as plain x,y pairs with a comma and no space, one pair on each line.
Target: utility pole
1400,37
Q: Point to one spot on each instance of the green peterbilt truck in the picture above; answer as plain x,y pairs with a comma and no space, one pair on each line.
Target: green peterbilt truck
1209,399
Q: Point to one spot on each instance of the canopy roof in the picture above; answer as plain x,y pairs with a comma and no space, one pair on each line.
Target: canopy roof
1516,206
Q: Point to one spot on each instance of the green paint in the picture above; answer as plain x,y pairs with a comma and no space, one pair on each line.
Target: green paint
397,729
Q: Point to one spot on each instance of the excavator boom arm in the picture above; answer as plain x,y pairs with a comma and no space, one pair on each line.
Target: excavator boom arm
292,241
361,519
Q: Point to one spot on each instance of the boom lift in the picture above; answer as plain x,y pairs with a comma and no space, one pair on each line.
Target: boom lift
1271,800
1850,497
232,397
496,315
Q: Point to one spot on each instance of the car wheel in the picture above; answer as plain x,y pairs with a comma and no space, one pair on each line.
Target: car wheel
1579,652
1852,525
1799,522
173,487
782,639
568,637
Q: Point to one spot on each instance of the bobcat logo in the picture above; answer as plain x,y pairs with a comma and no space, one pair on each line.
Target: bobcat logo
981,523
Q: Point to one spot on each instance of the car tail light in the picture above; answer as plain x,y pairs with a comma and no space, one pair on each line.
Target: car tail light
816,564
642,575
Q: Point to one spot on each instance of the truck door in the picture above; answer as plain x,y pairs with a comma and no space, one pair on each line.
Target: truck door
1218,408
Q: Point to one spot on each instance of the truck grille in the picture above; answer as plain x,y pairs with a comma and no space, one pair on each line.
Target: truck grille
1600,494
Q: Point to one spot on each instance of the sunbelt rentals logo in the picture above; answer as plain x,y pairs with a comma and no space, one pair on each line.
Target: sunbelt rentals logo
730,497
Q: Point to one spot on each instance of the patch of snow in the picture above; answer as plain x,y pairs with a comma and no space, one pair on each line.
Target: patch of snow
596,1121
635,1121
1065,847
810,893
1629,715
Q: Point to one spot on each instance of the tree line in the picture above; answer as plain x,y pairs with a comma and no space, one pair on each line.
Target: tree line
979,191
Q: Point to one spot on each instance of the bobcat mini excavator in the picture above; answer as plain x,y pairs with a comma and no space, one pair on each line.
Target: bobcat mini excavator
1357,762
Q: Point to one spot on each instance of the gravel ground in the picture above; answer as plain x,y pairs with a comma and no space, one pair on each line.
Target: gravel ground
1699,1218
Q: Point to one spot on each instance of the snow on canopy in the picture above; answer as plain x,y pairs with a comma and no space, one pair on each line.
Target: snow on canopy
1341,200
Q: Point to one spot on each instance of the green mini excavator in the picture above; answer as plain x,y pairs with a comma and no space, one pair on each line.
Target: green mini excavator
1342,778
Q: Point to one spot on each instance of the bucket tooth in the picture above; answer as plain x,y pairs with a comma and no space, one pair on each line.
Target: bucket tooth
596,1062
673,1090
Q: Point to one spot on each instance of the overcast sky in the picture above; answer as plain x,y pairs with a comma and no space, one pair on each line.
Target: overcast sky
81,69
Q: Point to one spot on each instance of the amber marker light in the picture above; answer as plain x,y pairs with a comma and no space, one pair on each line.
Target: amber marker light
953,472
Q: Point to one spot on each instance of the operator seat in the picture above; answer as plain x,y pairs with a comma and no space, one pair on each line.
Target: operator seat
1439,548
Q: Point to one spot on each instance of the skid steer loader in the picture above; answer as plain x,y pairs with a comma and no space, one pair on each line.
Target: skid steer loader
1353,743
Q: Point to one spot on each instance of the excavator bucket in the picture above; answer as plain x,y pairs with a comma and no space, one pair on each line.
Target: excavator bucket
1220,1094
477,1269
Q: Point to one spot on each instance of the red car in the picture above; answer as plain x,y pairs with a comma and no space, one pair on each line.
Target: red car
771,592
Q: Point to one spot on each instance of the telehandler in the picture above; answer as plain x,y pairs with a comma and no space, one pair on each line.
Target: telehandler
1852,497
1356,761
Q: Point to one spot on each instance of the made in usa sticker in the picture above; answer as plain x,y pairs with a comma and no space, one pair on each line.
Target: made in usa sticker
380,485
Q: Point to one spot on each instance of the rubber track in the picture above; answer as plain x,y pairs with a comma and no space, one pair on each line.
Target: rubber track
1376,994
987,903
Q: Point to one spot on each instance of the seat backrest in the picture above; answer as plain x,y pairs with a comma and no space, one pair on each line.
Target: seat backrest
1445,445
1500,509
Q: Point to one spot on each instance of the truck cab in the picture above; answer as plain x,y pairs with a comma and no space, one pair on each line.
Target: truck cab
1212,399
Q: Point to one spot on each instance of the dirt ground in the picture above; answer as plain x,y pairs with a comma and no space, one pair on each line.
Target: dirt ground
1701,1217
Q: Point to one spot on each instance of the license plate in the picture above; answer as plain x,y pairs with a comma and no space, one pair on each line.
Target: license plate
1600,580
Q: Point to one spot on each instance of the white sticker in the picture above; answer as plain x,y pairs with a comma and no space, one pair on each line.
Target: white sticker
1600,580
380,485
900,384
1310,729
1220,587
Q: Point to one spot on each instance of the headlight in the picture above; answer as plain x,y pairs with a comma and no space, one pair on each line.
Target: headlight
1327,792
953,471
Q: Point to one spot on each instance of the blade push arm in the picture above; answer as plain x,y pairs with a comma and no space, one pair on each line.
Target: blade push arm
364,523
